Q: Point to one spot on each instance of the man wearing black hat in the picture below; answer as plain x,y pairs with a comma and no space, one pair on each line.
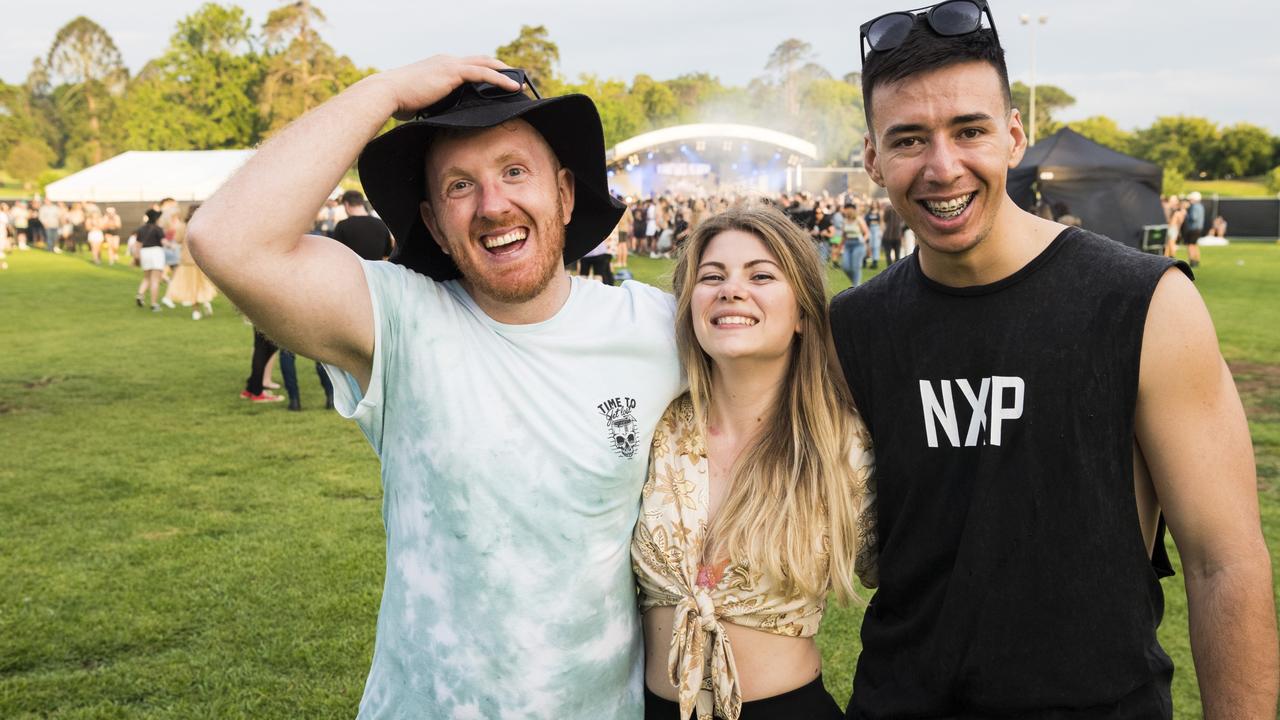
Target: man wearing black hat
510,404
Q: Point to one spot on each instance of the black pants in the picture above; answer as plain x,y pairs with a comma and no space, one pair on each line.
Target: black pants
811,702
598,263
892,250
263,349
289,371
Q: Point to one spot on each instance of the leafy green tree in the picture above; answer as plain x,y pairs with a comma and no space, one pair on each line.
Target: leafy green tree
1104,131
84,56
1242,149
1181,144
1273,180
658,101
833,118
27,159
302,70
19,122
1174,182
789,56
622,113
536,54
199,94
1049,99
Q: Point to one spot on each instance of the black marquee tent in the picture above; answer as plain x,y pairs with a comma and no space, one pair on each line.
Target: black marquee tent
1112,194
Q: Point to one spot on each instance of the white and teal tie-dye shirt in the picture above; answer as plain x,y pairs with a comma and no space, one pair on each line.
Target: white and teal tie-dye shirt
512,462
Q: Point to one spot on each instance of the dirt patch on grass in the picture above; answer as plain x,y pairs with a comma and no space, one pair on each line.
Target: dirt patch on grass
43,382
160,534
1259,387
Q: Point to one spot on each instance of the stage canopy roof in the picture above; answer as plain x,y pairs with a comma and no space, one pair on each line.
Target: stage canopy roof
148,176
678,134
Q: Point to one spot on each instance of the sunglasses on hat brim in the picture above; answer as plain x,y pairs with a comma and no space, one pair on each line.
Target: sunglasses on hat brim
949,19
486,90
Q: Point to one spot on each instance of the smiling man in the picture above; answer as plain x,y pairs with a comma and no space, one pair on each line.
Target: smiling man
510,404
1031,443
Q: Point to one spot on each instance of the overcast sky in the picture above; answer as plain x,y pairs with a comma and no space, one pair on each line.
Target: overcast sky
1130,59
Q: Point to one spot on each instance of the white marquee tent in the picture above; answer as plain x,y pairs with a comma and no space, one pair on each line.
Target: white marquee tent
148,176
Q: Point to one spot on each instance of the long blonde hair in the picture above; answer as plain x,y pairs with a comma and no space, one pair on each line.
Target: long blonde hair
794,482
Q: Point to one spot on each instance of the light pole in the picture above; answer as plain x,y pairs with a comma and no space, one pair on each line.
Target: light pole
1026,20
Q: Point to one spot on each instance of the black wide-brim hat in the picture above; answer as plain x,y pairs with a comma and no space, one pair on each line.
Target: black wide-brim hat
392,170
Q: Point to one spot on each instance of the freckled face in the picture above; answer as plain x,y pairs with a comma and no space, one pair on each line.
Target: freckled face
742,305
498,202
942,145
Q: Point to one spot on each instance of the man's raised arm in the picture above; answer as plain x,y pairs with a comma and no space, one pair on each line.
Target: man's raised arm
308,292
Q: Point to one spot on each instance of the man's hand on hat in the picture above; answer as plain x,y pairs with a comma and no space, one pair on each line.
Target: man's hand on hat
416,86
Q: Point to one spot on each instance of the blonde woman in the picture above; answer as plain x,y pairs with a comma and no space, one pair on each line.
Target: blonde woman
189,286
757,503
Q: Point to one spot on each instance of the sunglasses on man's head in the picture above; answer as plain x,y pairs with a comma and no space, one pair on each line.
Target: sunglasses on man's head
489,91
949,19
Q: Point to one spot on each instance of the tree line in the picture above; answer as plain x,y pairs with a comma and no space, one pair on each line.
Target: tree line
221,83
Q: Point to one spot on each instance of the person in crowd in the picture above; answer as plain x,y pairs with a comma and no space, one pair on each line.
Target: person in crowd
263,350
1063,215
327,218
170,219
652,227
150,243
366,235
472,363
189,287
1030,447
596,263
111,224
854,249
1175,213
74,227
745,523
1219,227
6,235
35,226
835,238
20,217
874,229
625,234
93,224
891,240
820,232
1193,227
51,222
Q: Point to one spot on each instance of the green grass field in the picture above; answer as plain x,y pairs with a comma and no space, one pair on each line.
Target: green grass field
1240,187
168,550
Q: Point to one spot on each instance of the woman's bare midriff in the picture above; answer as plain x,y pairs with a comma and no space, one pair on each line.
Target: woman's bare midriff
768,664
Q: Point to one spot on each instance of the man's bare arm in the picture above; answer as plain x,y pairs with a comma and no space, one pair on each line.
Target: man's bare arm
309,292
1193,434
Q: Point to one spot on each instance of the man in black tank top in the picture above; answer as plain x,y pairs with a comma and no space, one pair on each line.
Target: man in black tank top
1033,419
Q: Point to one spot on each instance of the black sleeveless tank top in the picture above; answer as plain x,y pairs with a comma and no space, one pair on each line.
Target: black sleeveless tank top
1013,574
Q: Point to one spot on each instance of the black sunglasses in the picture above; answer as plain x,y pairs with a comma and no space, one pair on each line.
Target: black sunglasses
949,19
488,91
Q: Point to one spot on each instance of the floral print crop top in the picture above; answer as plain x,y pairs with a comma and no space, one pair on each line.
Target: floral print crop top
666,549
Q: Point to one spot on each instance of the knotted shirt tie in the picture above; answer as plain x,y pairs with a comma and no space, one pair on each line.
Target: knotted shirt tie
694,624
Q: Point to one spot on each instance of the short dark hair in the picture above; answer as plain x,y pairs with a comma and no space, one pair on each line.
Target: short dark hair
924,50
352,197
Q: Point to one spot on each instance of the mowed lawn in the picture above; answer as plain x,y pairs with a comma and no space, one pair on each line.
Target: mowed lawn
168,550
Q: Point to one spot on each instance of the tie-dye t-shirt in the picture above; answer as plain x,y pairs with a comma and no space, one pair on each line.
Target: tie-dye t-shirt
512,462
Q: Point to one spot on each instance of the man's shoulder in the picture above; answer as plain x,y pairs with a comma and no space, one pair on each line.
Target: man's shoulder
1103,257
644,303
